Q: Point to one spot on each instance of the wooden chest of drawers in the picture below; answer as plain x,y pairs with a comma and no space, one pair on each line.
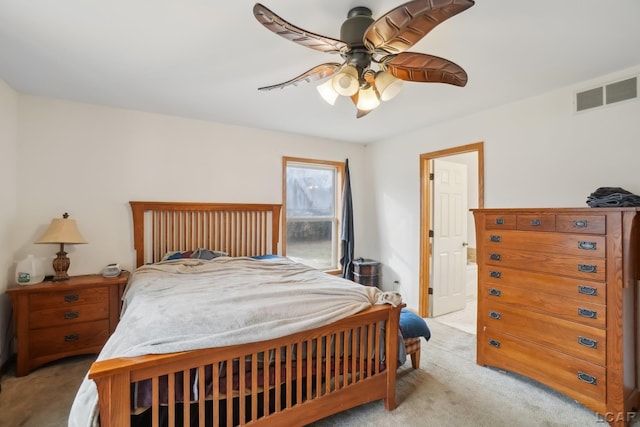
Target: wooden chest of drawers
558,298
55,320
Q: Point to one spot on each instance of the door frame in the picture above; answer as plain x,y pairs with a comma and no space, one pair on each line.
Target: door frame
425,211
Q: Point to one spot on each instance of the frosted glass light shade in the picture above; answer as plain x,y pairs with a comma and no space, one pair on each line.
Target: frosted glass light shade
346,81
388,85
367,99
327,92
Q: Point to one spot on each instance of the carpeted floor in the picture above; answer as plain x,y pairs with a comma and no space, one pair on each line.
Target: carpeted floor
448,390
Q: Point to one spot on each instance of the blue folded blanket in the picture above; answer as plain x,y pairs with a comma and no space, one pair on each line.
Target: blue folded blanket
413,326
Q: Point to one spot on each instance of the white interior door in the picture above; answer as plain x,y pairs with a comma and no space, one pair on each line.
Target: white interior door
449,245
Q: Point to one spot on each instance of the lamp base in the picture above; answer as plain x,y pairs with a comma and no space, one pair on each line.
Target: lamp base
60,266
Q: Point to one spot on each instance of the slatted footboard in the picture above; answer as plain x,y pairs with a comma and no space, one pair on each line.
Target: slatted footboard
293,380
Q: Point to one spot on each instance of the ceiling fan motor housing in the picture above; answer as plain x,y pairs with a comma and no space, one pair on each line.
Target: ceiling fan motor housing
352,32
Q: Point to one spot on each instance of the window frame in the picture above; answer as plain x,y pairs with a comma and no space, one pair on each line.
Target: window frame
339,168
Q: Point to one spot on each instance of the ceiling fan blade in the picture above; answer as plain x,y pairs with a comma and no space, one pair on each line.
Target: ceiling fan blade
316,73
407,24
419,67
290,32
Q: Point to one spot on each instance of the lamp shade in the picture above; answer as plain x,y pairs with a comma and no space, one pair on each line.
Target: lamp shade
367,99
387,84
62,230
327,92
346,81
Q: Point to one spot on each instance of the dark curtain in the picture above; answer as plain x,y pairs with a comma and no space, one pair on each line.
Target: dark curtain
347,235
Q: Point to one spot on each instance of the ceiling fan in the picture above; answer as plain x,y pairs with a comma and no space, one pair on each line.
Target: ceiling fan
375,54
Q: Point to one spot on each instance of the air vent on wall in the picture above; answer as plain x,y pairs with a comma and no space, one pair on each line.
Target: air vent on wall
622,90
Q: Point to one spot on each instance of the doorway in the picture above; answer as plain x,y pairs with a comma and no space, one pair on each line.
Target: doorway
427,210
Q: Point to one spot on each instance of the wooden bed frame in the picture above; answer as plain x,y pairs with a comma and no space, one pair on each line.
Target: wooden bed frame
289,393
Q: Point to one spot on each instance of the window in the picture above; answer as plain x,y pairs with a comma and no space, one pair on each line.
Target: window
312,198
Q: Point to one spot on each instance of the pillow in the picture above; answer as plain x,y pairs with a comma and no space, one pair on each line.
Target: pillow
176,255
268,256
203,253
200,253
413,326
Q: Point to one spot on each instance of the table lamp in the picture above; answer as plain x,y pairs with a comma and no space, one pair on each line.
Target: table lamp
62,230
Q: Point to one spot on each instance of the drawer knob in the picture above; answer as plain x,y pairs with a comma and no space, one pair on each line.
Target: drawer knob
587,290
587,268
499,221
536,222
71,315
495,257
580,223
589,246
71,337
495,315
495,292
495,274
587,342
589,379
495,238
71,298
494,343
585,312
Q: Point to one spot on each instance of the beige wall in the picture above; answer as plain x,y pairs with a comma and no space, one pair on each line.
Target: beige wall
538,153
8,204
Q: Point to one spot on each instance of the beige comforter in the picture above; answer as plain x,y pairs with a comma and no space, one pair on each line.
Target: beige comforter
191,304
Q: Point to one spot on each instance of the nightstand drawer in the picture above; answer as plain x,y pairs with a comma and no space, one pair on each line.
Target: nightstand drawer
68,315
70,339
68,297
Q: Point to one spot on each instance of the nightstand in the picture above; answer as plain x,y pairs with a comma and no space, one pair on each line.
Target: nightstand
59,319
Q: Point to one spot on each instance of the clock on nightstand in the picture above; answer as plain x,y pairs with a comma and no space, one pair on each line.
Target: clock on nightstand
59,319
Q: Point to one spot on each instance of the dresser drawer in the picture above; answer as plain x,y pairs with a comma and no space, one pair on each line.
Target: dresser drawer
579,379
586,291
582,268
45,318
574,310
68,297
536,222
500,222
587,224
70,339
584,342
582,245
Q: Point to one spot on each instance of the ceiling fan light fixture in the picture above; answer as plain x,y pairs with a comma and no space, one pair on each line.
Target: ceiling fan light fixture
327,92
367,99
346,81
388,85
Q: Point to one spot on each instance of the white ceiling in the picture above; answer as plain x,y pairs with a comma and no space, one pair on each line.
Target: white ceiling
205,59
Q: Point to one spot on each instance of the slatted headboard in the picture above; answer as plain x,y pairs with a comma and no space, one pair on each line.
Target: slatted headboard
239,229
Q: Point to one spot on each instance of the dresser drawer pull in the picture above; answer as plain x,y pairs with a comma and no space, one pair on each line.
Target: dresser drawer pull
71,337
587,268
71,315
589,379
587,342
581,223
494,343
499,221
495,292
495,315
590,246
535,222
585,312
71,298
495,257
495,274
587,290
495,238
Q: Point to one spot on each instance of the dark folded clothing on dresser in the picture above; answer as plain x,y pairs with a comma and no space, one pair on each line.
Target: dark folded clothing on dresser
612,197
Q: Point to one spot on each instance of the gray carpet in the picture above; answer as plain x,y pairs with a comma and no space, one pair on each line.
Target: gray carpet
448,390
